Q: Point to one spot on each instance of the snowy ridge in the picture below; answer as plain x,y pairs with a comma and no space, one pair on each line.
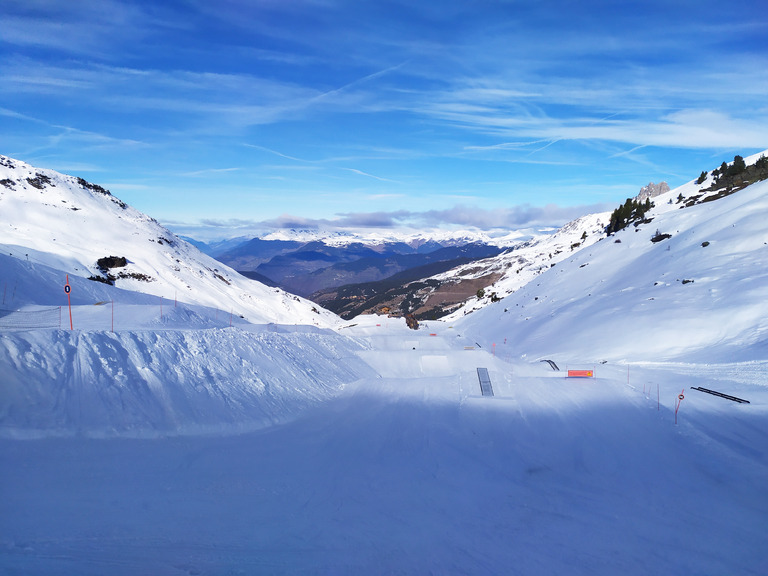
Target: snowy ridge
526,260
697,294
68,224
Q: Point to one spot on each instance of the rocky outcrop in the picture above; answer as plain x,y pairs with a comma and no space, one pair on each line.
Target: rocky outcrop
652,190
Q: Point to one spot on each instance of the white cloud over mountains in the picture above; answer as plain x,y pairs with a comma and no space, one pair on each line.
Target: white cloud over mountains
457,217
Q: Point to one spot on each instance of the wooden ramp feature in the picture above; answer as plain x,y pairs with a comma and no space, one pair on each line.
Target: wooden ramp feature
485,382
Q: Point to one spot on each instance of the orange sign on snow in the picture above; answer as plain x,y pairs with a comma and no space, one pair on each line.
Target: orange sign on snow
581,374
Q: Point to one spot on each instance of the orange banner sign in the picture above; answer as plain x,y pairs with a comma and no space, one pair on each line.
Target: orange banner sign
581,374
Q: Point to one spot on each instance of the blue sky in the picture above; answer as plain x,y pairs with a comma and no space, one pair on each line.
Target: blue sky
221,118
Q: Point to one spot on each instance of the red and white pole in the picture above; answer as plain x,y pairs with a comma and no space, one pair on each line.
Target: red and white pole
680,398
68,289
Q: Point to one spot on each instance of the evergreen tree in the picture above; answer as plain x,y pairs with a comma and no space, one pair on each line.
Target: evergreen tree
629,212
737,167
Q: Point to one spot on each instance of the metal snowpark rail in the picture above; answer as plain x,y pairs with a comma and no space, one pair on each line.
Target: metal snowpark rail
721,395
30,319
486,389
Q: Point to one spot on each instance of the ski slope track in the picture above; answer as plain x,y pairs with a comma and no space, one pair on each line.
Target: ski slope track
179,438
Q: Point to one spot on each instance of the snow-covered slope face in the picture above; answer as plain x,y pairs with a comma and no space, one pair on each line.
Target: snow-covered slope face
168,379
68,224
699,294
525,261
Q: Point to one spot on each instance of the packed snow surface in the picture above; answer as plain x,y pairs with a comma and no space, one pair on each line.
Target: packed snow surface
175,438
699,293
409,470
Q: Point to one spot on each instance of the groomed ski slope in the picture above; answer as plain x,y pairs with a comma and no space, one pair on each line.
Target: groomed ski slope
411,471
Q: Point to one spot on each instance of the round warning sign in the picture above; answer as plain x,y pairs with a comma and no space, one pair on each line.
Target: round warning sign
67,289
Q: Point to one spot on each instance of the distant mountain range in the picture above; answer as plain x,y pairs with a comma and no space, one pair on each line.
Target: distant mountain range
459,287
304,268
71,226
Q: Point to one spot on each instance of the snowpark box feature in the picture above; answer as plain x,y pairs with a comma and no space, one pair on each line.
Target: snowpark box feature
177,444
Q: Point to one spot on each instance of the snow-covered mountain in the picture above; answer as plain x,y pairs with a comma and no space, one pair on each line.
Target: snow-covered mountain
76,227
452,293
508,272
412,238
689,280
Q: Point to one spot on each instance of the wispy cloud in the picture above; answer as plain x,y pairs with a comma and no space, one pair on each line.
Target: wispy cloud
276,153
208,172
356,82
361,173
328,162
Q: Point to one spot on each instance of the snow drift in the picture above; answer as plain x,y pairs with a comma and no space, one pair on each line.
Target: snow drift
145,383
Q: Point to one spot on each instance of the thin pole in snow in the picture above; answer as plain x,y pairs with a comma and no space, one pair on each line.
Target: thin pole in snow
68,289
680,398
658,406
113,315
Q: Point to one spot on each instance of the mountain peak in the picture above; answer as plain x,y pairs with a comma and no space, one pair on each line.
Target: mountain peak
652,190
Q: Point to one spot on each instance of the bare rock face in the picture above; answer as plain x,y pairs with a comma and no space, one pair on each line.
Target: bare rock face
652,190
